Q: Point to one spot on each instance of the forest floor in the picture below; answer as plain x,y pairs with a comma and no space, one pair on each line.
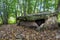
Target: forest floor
14,32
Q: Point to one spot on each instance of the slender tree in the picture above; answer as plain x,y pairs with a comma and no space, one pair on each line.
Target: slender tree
5,14
58,6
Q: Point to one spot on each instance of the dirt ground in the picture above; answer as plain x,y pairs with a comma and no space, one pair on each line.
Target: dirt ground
14,32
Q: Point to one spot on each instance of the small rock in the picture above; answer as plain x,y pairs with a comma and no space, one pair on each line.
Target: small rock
58,34
40,27
19,37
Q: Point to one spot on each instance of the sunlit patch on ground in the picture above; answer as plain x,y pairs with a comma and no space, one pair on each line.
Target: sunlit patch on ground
0,20
58,17
11,20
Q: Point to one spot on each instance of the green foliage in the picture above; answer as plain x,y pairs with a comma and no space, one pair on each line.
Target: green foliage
59,17
11,20
16,8
0,20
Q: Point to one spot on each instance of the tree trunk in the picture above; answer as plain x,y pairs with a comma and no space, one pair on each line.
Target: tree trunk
5,15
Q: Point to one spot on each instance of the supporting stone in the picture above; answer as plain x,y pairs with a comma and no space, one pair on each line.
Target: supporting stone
50,23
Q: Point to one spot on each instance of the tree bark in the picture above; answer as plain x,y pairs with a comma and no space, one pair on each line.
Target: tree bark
5,14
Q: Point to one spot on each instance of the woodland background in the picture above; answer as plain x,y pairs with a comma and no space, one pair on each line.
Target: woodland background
11,9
